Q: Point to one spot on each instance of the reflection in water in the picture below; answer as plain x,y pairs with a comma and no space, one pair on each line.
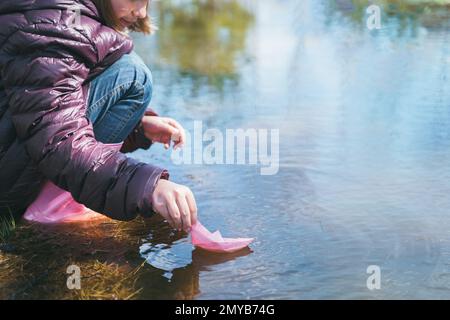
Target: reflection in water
167,257
181,254
203,37
405,14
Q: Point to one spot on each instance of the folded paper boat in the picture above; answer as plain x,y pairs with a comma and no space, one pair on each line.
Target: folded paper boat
214,242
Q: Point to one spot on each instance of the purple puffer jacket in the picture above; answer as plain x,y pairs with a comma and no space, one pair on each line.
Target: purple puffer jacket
46,64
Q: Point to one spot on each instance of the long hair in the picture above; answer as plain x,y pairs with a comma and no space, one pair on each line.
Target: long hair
144,25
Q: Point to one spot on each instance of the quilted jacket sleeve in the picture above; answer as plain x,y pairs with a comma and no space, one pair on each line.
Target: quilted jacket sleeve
43,81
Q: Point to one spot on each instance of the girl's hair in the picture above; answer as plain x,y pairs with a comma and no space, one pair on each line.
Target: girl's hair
142,25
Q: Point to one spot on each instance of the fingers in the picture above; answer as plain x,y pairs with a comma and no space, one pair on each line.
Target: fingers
185,213
169,130
169,218
163,210
182,211
176,203
192,207
180,137
164,130
171,133
174,214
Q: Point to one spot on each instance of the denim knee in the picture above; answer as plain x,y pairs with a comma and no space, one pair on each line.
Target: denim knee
119,97
141,74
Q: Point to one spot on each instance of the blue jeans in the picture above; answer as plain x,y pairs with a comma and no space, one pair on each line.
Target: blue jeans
118,98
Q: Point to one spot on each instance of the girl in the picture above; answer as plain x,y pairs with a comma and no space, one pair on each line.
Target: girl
72,92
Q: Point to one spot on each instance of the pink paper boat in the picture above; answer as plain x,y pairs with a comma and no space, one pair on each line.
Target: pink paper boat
214,242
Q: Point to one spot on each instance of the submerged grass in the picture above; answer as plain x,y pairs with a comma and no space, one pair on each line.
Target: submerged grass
108,281
33,264
7,225
35,258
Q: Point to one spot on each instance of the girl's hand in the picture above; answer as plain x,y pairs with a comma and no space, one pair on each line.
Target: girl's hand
175,203
164,130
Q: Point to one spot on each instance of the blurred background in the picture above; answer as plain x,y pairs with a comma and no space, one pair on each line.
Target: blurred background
364,177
